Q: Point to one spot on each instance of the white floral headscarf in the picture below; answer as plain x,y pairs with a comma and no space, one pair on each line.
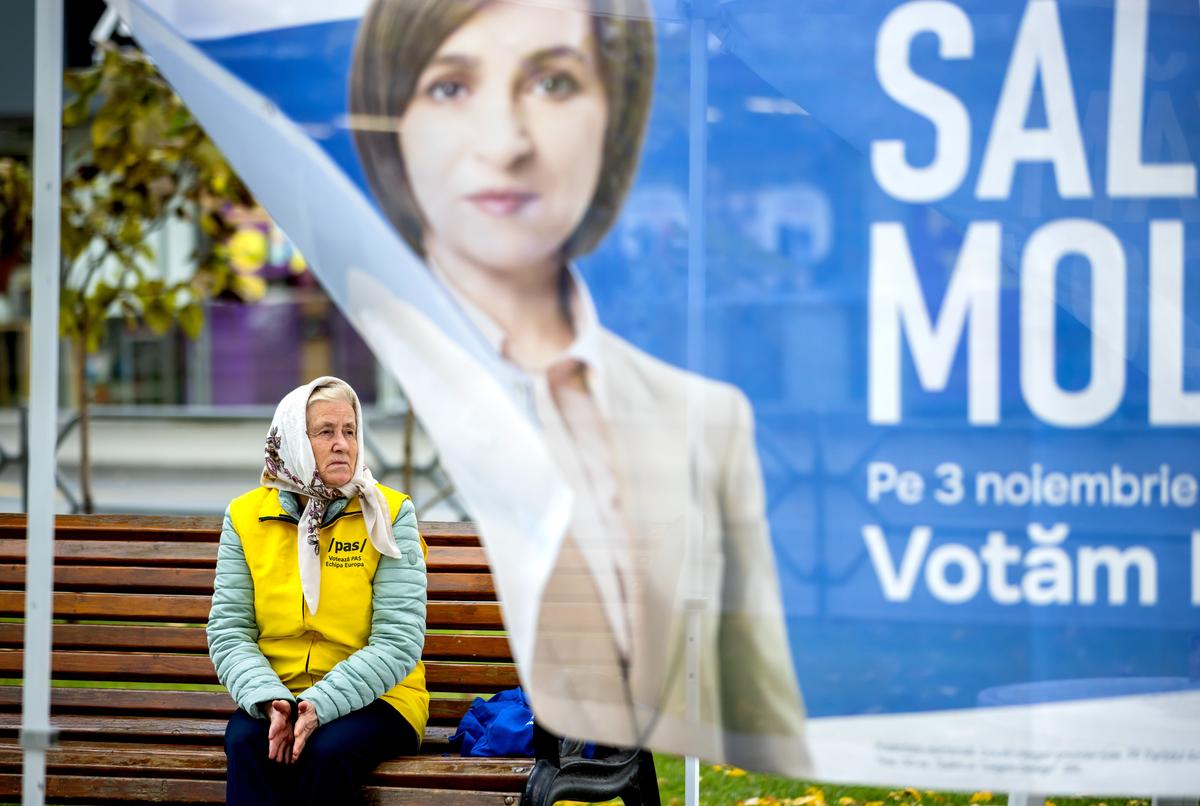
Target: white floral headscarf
290,465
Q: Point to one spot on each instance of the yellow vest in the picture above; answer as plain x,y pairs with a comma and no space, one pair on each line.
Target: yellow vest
300,646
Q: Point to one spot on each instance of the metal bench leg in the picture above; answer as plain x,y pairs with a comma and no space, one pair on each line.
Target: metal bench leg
540,783
561,773
643,790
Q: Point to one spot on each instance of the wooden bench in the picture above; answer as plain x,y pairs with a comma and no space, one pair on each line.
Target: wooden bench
131,599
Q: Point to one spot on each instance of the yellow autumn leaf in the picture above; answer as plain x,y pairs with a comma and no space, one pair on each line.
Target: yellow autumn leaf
846,800
981,797
248,250
250,288
735,772
298,264
873,803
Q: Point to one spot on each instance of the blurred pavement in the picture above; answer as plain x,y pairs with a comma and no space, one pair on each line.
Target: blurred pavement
182,465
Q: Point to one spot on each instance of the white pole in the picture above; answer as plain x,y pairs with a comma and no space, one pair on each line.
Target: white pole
697,196
691,764
36,734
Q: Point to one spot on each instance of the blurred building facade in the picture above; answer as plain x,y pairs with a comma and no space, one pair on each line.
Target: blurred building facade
179,422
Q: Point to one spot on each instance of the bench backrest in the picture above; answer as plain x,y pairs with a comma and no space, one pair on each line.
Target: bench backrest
132,596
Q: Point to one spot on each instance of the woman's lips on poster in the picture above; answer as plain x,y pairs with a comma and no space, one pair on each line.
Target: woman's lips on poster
501,202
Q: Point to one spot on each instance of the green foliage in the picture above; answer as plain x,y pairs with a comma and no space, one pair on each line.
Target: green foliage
16,211
140,160
136,159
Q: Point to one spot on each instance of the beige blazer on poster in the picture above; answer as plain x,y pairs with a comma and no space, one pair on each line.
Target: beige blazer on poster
692,494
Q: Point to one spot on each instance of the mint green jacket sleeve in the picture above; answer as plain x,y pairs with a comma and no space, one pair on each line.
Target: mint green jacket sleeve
233,630
397,630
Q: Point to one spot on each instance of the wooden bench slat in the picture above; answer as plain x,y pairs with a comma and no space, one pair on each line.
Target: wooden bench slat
91,789
405,796
193,640
200,580
194,609
467,647
463,616
446,585
115,758
470,677
442,710
201,555
103,552
442,675
450,771
128,578
447,533
123,527
147,701
113,636
123,666
116,606
76,726
80,757
458,558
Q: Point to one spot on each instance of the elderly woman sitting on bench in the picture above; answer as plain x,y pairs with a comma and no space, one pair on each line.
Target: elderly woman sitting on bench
318,614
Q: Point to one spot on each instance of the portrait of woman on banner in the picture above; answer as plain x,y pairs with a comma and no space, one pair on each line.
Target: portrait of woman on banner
500,140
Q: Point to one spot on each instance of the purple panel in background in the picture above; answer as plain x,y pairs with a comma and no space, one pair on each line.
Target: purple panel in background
352,359
255,352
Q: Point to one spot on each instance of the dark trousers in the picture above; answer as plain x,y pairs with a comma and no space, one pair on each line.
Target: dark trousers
331,769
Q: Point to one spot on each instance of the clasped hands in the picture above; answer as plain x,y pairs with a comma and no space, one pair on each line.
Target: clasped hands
285,741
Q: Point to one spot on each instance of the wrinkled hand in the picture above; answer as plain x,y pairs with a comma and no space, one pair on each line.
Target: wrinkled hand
279,736
306,723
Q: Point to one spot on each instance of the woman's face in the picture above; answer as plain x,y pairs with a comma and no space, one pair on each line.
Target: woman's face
503,138
333,434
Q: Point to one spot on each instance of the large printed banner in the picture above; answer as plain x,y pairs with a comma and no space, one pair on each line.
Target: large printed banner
824,376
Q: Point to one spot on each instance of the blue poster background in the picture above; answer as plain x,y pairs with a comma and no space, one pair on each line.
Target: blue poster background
793,107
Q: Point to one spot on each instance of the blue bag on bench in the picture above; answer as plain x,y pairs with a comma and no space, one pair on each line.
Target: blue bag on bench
501,725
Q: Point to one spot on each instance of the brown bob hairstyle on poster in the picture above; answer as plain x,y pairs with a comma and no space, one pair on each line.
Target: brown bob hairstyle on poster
401,36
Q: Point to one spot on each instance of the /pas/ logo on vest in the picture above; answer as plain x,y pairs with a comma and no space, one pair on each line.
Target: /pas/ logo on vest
345,554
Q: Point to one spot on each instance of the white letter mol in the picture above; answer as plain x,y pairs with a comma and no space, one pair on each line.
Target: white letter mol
1170,403
1039,270
896,304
